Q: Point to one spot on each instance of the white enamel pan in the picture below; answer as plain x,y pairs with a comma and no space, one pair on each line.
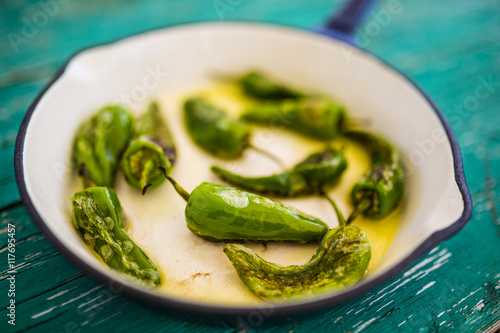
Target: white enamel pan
437,202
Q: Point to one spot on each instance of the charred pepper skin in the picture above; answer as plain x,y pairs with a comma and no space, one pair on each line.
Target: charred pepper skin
317,117
340,261
151,147
380,190
214,131
100,143
308,177
98,216
258,86
221,213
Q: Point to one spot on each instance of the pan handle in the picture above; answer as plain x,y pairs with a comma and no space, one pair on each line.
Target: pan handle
342,24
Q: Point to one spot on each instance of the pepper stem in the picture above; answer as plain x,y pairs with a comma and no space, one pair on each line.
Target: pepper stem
360,207
149,167
268,155
182,192
340,216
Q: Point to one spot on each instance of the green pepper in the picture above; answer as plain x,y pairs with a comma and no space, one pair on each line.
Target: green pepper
217,133
315,116
151,147
221,213
340,261
380,190
100,142
309,176
98,216
257,85
214,131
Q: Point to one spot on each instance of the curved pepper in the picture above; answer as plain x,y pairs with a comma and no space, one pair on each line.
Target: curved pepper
151,147
214,131
257,85
309,176
100,142
340,261
380,190
317,117
98,216
221,213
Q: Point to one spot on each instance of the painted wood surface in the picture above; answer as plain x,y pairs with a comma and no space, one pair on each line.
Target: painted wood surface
450,47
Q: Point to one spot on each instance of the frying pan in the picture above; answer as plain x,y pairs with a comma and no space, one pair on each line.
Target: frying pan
437,202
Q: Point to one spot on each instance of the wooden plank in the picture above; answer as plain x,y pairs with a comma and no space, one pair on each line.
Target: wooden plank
446,46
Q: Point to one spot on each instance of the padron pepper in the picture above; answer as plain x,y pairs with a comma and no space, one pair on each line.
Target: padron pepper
341,260
100,142
214,131
98,216
259,86
380,190
315,116
151,147
221,213
307,177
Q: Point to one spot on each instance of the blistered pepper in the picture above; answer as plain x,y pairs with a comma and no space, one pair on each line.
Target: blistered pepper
221,213
315,116
100,142
380,190
340,261
151,147
98,216
310,176
259,86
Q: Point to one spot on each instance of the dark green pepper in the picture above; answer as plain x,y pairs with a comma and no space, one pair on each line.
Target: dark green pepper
98,216
221,213
214,131
309,176
340,261
380,190
151,147
257,85
316,116
100,142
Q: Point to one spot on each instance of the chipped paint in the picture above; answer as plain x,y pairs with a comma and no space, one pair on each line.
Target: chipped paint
428,285
43,312
383,306
364,325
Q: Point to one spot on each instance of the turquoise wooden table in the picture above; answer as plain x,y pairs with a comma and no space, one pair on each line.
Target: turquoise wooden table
450,47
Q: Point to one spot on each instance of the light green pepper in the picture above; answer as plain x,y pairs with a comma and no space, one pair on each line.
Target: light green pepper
340,261
221,213
98,216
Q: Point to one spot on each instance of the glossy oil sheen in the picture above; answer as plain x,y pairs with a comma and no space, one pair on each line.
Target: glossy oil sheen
224,213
